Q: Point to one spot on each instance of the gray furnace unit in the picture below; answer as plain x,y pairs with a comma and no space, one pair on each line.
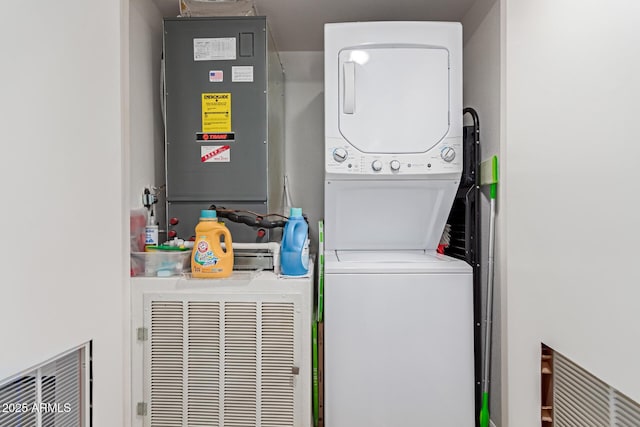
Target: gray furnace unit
224,118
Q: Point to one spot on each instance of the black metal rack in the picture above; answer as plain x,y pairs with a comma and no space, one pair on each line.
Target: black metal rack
464,220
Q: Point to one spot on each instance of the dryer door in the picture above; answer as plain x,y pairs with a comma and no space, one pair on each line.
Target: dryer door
393,99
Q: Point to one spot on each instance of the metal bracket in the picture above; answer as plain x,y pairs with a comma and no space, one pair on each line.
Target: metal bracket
141,408
143,334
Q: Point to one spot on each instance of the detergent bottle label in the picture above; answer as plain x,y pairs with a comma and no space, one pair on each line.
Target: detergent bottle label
204,256
305,254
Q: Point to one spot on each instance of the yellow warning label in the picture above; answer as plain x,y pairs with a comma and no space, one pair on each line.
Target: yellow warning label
216,112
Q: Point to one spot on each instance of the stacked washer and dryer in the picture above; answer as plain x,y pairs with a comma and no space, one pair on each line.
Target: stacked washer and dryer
398,316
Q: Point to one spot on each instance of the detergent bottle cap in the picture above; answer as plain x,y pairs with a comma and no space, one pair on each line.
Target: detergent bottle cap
208,214
296,213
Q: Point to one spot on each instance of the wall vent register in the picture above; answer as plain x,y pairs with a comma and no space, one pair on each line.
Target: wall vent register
578,398
56,393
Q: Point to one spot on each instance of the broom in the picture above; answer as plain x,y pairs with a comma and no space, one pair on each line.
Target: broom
489,176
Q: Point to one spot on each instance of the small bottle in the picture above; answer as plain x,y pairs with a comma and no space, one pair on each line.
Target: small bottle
208,259
294,256
151,231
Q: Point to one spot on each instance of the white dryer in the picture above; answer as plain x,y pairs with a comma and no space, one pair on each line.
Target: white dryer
398,316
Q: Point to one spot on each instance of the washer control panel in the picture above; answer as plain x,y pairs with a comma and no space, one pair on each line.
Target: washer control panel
446,157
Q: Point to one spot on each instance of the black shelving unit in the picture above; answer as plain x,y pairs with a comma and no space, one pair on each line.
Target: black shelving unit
464,220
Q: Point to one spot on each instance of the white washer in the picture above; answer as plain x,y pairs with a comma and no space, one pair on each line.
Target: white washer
398,317
398,340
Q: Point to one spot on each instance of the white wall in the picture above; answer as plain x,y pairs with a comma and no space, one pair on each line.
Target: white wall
62,191
571,110
482,92
304,132
147,132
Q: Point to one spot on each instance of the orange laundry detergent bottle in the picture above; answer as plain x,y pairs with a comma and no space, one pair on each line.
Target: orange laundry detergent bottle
208,259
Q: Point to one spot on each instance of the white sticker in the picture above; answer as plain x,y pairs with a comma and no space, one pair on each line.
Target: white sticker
215,153
214,49
216,76
242,74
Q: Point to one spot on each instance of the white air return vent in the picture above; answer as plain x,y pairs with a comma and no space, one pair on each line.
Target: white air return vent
278,398
223,361
626,412
579,397
240,364
582,400
54,394
203,361
167,363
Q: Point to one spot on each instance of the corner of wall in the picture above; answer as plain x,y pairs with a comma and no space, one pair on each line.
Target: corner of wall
474,16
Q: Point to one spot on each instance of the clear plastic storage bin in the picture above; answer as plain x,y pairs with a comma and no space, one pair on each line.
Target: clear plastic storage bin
160,264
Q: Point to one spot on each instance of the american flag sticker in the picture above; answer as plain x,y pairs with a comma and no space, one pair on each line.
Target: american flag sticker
216,76
215,153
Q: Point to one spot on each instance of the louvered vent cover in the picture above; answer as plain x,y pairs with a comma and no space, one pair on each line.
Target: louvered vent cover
22,390
579,397
53,394
203,361
626,412
277,361
240,360
167,362
582,400
222,363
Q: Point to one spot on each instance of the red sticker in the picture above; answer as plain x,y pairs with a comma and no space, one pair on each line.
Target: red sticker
216,154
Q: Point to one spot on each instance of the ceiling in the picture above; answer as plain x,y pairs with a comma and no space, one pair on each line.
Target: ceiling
297,25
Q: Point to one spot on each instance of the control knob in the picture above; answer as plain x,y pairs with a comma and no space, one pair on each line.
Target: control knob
448,154
339,155
376,165
395,165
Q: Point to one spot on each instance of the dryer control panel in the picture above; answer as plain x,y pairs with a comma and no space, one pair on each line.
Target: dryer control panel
445,157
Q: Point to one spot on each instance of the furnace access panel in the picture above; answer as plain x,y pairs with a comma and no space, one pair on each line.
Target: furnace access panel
224,120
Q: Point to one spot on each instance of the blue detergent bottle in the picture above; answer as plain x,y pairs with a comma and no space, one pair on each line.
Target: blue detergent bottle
294,254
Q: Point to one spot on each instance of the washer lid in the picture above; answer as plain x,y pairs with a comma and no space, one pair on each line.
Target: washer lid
415,213
392,262
386,256
394,98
